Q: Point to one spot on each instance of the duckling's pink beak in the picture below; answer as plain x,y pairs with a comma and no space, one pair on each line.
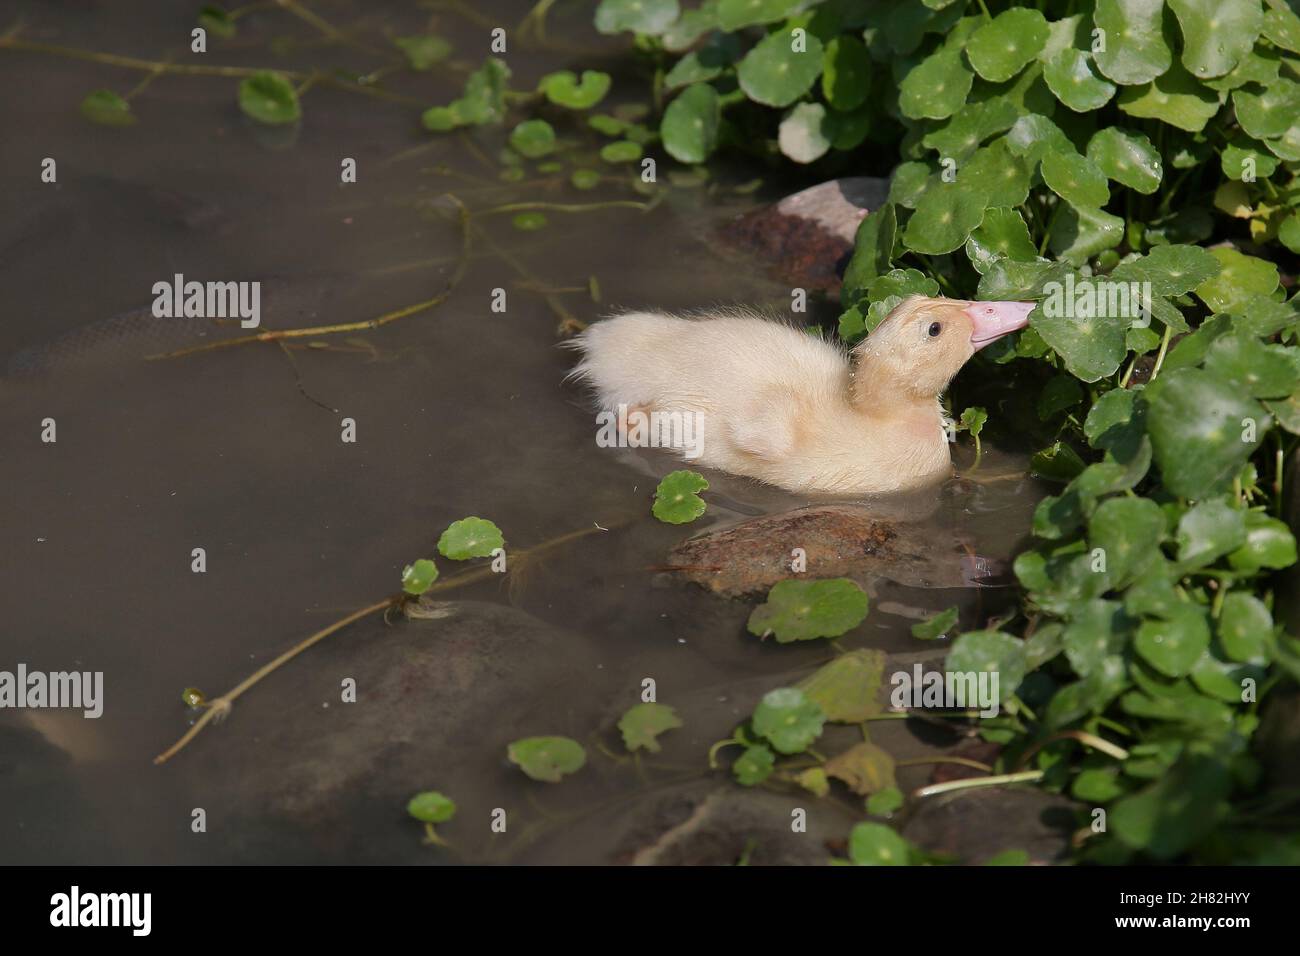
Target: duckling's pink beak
992,320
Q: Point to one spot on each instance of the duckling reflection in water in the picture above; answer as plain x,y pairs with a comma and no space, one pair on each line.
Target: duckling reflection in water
792,409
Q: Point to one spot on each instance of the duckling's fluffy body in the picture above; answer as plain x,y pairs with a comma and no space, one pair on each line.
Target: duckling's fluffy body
784,406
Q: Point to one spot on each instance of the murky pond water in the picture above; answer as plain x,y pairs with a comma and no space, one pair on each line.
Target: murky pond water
459,410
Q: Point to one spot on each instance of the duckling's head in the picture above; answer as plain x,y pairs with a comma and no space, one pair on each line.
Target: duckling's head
924,342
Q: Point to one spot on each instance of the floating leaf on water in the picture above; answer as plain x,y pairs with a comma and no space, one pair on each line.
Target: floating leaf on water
798,610
690,124
643,723
193,697
470,538
425,51
885,802
107,108
677,499
775,74
547,759
1002,47
848,688
533,138
814,780
431,806
754,765
936,626
217,21
419,577
585,179
269,98
564,88
528,221
638,16
788,719
874,844
623,151
866,767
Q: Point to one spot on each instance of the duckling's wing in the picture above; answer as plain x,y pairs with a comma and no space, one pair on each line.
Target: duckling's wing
764,431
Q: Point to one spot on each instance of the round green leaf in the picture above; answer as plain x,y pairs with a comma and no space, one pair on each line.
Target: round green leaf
690,124
1070,78
775,74
1126,157
798,610
961,135
643,723
1076,179
423,52
1241,157
107,108
1081,233
1174,97
936,87
269,98
419,577
1245,627
1128,531
802,136
1171,269
788,719
1136,51
639,16
565,89
1216,33
1258,370
533,138
1174,645
1210,529
944,218
846,72
998,174
677,499
992,652
1270,112
547,758
1002,234
1269,544
754,765
885,802
1239,278
935,626
431,807
847,689
874,844
1282,27
1195,423
528,221
622,151
217,21
1002,47
470,538
585,179
1092,347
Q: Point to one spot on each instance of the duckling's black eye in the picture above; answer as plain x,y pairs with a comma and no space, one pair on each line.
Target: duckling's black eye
935,329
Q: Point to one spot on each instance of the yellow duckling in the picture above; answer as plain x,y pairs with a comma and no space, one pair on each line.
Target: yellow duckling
768,401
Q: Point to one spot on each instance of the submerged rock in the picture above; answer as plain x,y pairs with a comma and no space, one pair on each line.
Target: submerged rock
973,826
837,541
808,236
